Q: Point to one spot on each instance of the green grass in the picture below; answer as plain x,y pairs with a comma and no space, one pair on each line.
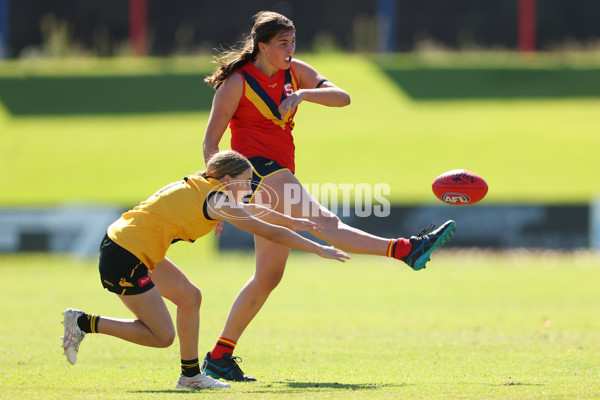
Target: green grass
474,325
529,150
106,95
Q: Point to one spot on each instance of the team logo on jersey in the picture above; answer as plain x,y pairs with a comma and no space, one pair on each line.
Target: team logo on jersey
273,85
124,283
289,90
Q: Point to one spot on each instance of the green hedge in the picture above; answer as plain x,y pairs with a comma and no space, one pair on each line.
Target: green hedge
64,95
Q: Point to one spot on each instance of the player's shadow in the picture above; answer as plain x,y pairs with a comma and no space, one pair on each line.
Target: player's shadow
291,387
337,385
165,391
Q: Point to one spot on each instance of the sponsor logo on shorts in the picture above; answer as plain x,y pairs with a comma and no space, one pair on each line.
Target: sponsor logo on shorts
456,198
143,281
124,283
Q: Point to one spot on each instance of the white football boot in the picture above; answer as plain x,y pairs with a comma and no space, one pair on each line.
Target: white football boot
72,334
200,381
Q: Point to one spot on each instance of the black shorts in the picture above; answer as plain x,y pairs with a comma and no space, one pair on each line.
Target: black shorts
262,168
120,271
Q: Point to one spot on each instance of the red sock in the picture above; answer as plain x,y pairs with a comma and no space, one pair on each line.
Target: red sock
223,346
399,248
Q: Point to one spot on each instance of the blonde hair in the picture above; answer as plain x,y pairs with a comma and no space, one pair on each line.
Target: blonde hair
227,162
267,25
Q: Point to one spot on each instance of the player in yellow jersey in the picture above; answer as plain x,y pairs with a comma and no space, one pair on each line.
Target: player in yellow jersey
132,260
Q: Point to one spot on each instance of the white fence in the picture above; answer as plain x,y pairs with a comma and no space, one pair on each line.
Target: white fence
78,229
75,229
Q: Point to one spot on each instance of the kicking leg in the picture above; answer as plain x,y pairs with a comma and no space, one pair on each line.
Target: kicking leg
414,251
304,205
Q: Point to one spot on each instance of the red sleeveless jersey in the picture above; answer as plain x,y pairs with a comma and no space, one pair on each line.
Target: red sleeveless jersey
257,127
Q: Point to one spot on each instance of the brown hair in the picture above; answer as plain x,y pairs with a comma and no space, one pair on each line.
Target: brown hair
267,25
227,162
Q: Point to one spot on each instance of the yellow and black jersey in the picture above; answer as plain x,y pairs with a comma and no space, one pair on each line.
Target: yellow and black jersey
176,212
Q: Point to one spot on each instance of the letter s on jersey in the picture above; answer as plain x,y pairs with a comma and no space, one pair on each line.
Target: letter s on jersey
289,90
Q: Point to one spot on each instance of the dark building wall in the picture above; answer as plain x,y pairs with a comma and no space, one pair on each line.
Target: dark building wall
486,226
180,26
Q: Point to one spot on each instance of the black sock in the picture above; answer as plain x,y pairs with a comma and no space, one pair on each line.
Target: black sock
190,368
88,323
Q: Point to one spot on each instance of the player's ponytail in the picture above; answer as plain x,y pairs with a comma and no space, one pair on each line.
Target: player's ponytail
227,162
267,25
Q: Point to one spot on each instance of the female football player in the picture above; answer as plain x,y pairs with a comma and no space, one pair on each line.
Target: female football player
133,265
258,89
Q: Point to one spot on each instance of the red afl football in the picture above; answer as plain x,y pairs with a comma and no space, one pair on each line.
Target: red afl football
459,187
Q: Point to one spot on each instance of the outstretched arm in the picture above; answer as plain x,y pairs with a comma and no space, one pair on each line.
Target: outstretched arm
237,216
273,217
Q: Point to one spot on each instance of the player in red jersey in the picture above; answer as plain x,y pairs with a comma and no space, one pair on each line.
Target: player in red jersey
258,90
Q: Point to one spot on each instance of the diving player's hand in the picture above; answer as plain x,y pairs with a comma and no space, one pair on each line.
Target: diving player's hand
333,253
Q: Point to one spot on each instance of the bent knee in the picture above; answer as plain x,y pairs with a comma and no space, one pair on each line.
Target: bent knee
188,298
194,298
271,282
267,282
165,339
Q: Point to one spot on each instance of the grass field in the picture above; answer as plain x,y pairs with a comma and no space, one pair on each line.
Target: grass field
472,326
529,149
